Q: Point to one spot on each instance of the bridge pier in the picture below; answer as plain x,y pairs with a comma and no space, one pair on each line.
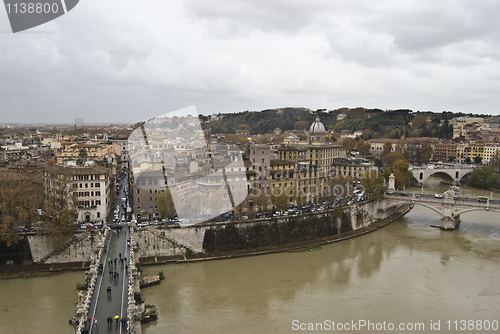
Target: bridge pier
450,222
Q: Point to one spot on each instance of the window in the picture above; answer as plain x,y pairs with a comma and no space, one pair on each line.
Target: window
98,202
98,193
138,199
81,185
138,191
98,215
98,185
86,185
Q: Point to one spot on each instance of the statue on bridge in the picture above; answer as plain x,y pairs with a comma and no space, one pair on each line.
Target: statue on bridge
452,192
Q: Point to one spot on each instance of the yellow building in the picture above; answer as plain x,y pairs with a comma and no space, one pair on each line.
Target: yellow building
476,150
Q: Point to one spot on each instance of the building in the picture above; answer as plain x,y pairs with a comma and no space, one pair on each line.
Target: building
445,151
489,152
124,152
259,155
304,169
377,145
97,152
462,126
88,185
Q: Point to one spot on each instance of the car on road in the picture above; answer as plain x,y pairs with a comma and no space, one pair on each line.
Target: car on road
417,196
389,193
404,194
438,196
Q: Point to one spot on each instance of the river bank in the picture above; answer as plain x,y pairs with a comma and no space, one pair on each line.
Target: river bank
17,271
158,260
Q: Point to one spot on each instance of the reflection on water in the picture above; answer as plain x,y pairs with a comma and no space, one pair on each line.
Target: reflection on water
405,272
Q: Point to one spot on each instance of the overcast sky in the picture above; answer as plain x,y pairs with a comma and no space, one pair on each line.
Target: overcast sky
130,60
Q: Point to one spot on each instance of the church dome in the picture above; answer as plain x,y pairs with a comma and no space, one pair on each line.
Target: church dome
317,126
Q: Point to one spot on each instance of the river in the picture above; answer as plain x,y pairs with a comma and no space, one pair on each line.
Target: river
406,273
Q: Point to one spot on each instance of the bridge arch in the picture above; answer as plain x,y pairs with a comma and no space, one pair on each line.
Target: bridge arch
392,204
420,175
477,209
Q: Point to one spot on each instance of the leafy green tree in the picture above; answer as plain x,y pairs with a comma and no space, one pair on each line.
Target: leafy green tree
165,204
467,160
373,183
402,174
484,178
477,159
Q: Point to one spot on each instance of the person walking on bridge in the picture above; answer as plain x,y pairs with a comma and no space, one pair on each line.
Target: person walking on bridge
108,290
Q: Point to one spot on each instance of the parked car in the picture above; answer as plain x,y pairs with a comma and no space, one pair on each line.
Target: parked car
438,196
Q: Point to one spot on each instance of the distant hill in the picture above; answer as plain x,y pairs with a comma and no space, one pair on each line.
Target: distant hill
388,123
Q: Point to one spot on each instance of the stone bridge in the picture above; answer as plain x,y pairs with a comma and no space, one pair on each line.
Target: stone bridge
448,175
450,208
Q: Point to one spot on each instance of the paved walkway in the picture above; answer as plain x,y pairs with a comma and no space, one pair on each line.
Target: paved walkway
115,303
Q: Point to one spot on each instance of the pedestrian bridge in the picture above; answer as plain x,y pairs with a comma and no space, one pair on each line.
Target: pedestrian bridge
448,175
450,207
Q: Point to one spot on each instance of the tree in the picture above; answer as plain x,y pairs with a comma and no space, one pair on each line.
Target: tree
387,149
19,200
478,159
387,173
495,161
467,160
402,174
301,125
59,211
424,153
261,201
242,127
363,146
373,183
367,134
389,159
419,121
484,178
280,201
348,144
165,204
